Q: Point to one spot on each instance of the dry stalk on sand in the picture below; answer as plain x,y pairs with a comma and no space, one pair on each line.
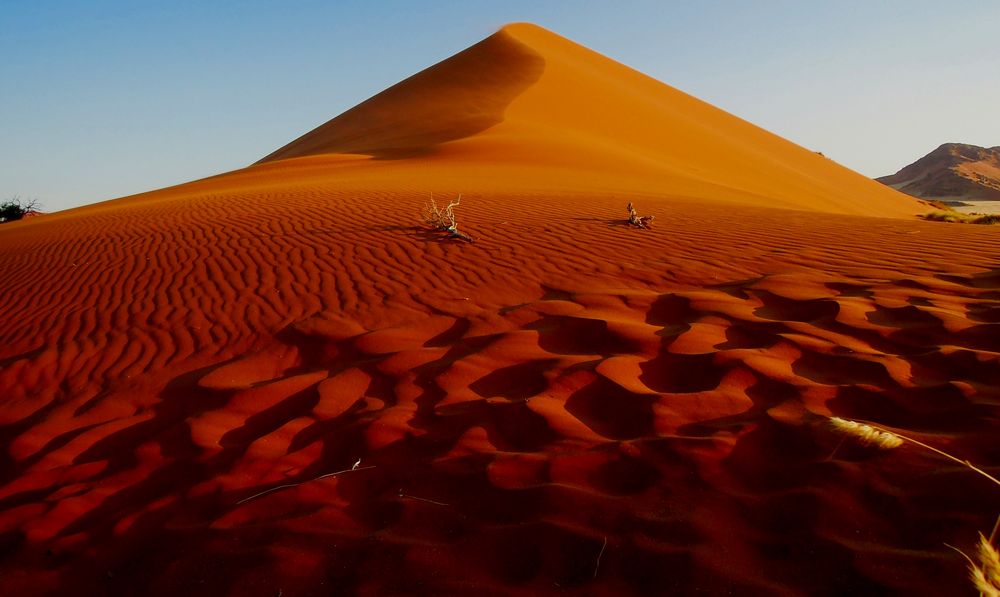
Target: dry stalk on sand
634,219
357,467
984,571
869,434
866,434
443,220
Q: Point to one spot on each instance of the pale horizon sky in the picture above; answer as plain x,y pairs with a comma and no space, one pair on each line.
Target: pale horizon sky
104,99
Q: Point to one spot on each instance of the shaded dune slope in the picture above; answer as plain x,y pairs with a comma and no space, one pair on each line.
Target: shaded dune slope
457,98
189,377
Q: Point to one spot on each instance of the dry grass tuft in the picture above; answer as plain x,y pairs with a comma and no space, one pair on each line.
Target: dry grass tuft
986,575
984,586
955,217
866,434
945,216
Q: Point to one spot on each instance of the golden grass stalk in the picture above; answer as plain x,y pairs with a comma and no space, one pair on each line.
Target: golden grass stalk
986,575
985,588
983,574
867,435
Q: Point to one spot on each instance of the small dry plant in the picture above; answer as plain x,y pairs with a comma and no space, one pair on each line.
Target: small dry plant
984,570
443,220
634,219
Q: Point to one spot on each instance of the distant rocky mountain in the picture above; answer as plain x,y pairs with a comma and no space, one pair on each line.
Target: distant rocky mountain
952,171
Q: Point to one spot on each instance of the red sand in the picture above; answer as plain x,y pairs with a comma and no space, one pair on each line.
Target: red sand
566,404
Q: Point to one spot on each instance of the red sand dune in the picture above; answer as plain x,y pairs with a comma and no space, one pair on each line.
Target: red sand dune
526,109
567,404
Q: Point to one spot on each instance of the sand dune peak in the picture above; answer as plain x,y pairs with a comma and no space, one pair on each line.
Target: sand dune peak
526,98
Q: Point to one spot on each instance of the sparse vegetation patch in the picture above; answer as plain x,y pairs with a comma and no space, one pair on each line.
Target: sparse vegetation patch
17,208
956,217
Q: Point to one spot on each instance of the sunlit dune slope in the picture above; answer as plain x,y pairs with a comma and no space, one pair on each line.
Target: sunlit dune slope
529,106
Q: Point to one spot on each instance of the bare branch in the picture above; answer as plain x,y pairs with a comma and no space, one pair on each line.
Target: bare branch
357,467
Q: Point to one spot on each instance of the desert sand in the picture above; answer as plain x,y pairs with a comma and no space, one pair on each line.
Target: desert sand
275,381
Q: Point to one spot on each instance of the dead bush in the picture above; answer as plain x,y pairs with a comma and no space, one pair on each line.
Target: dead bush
443,219
634,219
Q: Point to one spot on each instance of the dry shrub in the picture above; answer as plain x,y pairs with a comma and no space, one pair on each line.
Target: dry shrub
16,208
443,219
634,219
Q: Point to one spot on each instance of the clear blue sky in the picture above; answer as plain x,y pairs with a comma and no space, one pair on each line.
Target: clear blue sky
108,98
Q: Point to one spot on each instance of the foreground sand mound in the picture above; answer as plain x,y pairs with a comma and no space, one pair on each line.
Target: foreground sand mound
568,403
275,382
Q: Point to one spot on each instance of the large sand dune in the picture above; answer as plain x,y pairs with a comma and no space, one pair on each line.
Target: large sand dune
567,404
536,110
